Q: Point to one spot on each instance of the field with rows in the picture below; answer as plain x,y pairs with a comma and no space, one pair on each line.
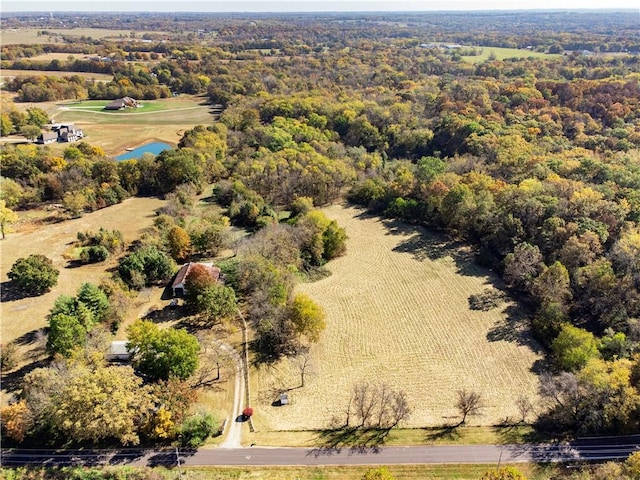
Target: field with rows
398,312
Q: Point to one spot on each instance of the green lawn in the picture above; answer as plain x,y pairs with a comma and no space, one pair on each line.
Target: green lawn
502,53
147,106
182,110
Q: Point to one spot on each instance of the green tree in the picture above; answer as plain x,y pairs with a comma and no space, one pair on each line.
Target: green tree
146,266
37,116
95,299
196,429
574,347
7,218
34,274
30,132
216,302
162,354
66,333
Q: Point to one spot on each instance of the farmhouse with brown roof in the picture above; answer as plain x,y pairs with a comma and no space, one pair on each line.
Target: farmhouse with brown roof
121,103
177,287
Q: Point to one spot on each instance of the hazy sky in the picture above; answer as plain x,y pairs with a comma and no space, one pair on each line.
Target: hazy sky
302,5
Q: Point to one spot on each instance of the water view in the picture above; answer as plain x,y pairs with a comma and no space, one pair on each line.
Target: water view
153,147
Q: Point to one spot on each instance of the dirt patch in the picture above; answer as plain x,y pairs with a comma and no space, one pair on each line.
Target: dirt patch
398,312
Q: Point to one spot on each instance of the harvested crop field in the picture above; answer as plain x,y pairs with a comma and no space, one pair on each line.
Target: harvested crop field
398,312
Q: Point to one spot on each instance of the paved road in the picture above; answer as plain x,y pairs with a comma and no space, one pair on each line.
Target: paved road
586,449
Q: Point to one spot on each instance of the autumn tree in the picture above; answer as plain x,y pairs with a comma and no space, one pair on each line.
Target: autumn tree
179,243
7,217
308,318
16,421
108,402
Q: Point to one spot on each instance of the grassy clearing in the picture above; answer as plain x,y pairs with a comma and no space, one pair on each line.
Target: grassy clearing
400,472
398,312
502,53
147,106
480,435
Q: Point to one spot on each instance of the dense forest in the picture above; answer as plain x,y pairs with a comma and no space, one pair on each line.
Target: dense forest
532,160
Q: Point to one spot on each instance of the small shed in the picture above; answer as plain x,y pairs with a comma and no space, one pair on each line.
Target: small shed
118,352
284,399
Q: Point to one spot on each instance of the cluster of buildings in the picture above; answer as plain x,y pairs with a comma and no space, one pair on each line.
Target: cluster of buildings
61,132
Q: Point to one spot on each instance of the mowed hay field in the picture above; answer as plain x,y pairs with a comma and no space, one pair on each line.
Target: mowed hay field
22,318
397,312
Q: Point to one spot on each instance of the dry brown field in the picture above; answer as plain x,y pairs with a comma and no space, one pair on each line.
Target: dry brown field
398,313
21,319
102,77
16,36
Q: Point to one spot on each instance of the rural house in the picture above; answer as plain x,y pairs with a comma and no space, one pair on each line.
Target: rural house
178,289
121,103
48,137
66,133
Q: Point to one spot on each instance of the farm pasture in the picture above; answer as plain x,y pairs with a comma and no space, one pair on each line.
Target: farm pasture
18,36
398,313
22,318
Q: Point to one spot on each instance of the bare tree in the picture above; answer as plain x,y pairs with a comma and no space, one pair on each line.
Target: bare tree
377,406
214,358
304,364
525,407
468,403
400,409
365,400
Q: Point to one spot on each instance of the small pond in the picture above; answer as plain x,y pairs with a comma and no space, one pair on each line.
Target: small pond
153,147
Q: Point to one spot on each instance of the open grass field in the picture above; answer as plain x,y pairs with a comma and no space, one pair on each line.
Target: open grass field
400,472
16,36
502,53
398,312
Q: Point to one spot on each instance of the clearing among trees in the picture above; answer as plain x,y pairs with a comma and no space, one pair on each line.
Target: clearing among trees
398,312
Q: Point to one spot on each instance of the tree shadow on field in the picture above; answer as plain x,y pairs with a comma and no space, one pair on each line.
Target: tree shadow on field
357,439
10,293
447,432
514,328
424,245
11,381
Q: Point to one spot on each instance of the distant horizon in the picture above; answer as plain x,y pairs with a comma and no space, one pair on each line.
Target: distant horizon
310,6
